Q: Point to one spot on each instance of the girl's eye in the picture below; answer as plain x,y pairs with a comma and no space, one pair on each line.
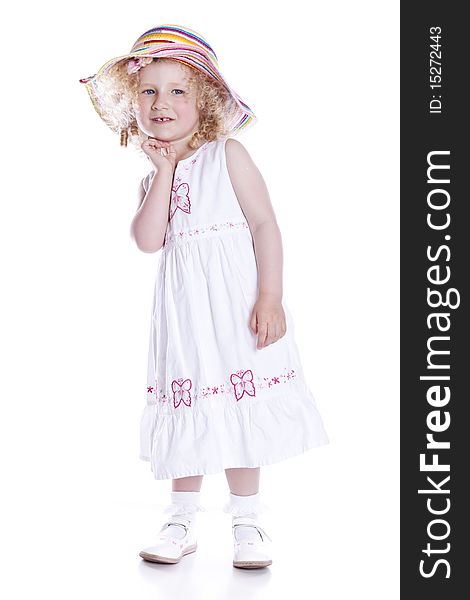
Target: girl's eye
178,92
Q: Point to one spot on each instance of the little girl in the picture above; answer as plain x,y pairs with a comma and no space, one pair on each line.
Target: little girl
225,388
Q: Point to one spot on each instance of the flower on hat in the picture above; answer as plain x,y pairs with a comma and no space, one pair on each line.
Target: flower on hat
133,65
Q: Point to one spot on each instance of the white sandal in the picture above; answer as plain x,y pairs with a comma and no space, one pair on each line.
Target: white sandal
170,549
249,554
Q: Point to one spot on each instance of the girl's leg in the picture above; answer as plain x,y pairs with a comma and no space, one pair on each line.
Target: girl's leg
243,481
244,505
185,497
187,484
185,503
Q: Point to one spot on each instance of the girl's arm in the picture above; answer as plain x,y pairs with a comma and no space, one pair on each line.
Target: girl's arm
150,222
268,318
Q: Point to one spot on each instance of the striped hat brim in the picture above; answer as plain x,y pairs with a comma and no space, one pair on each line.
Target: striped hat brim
185,46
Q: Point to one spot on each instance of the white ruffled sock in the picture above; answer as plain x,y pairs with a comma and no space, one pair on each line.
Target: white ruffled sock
245,506
183,509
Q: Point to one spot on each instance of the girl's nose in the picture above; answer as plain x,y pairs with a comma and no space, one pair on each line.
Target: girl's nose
159,102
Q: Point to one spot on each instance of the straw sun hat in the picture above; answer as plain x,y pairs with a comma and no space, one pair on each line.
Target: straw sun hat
181,44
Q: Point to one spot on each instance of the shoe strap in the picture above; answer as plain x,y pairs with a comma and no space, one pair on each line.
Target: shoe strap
260,530
169,523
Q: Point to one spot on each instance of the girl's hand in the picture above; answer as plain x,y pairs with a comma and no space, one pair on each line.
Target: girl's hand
162,154
268,320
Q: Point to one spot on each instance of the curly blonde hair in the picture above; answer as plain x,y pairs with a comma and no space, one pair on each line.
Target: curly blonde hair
117,93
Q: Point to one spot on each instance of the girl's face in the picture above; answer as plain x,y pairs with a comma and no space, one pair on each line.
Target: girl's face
166,108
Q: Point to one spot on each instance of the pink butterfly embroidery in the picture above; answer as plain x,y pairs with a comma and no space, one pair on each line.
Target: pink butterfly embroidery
181,392
180,199
243,384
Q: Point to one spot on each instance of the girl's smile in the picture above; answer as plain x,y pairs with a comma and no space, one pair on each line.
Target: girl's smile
162,120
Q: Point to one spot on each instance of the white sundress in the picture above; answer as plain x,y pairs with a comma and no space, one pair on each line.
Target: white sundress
213,400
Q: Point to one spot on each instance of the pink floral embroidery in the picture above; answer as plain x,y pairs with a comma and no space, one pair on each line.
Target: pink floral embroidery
243,383
185,235
181,392
217,392
186,165
180,199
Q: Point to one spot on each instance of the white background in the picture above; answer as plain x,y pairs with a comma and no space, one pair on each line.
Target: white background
77,503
